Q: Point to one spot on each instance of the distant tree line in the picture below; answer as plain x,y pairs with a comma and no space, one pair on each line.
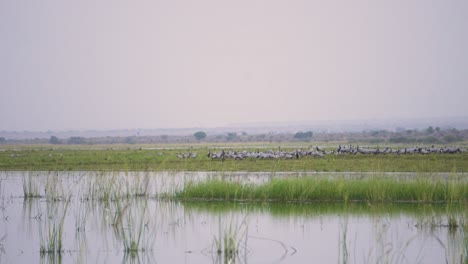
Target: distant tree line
429,135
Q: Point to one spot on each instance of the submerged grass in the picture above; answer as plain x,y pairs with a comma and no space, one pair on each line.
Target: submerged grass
303,189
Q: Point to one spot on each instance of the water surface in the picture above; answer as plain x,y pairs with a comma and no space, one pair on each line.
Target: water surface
97,228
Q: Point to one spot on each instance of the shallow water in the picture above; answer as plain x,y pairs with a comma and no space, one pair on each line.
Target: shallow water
96,229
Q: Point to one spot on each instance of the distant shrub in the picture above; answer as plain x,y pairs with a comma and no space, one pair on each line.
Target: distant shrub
54,140
376,140
76,140
429,140
231,136
130,140
303,135
430,130
452,138
400,139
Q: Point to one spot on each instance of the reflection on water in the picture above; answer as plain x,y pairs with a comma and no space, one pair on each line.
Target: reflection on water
118,217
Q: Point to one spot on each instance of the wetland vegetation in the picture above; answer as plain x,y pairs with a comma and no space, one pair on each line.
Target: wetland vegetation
146,204
82,219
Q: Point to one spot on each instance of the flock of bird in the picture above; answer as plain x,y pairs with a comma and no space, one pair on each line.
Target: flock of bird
320,152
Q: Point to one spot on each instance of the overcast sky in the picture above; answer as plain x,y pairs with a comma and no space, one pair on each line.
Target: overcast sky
182,63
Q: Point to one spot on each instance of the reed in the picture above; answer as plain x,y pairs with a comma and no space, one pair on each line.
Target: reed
231,240
52,232
31,186
304,189
130,222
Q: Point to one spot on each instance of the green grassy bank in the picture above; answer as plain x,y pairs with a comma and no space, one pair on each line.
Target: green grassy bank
166,159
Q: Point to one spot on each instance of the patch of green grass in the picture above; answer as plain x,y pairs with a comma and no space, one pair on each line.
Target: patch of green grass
98,159
304,189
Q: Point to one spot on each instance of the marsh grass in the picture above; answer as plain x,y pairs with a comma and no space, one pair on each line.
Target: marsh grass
231,240
304,189
31,186
343,253
131,226
54,190
103,187
136,185
51,232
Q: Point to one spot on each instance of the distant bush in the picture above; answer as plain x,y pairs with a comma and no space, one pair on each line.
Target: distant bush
130,140
54,140
76,140
231,136
303,135
376,140
399,139
452,138
429,140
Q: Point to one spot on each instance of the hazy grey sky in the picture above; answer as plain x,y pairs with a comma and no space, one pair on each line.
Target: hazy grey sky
181,63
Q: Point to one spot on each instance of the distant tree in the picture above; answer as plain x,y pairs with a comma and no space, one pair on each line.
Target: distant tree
2,140
437,129
199,135
231,136
303,135
76,140
130,140
430,130
54,140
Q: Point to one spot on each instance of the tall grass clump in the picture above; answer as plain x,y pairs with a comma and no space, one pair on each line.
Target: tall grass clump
377,190
51,233
231,240
136,185
31,186
103,188
53,189
131,226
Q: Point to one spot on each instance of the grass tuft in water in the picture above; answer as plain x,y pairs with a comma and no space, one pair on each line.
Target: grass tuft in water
231,240
52,232
131,226
31,187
